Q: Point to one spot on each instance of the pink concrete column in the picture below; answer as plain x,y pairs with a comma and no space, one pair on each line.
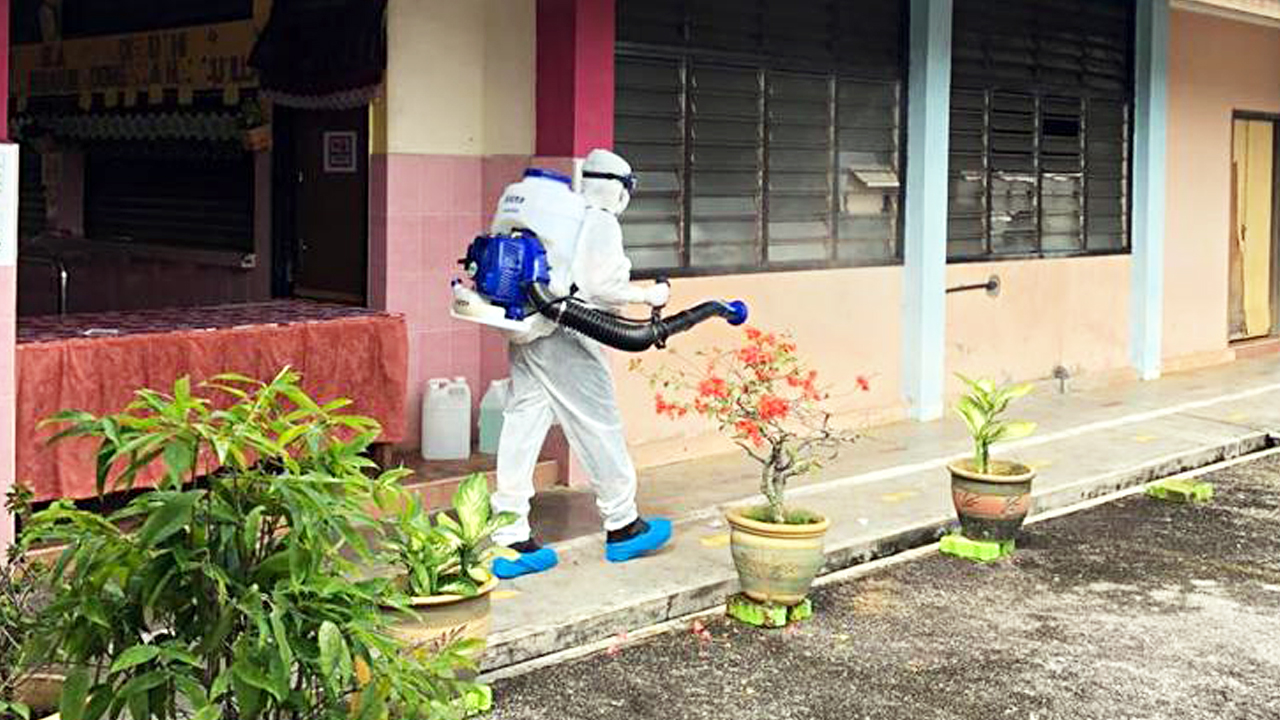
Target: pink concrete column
575,76
8,318
575,85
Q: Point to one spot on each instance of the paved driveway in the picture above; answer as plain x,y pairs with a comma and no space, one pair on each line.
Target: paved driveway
1136,609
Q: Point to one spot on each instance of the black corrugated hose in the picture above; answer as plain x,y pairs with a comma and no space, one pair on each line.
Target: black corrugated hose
623,333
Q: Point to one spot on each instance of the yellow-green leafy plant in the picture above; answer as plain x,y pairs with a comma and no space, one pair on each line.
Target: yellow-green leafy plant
451,555
981,409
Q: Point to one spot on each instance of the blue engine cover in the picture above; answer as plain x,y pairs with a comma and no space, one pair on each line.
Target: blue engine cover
502,267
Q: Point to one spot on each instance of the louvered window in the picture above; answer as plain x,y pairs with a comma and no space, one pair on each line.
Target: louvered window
1040,128
187,202
765,134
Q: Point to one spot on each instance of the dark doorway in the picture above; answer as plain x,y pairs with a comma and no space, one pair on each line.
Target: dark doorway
324,183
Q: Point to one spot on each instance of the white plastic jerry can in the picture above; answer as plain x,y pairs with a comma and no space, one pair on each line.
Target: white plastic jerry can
446,420
492,405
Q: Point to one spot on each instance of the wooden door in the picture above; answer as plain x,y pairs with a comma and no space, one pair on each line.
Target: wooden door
1252,228
331,155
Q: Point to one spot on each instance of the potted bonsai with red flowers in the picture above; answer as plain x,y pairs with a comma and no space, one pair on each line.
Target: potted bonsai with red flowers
768,402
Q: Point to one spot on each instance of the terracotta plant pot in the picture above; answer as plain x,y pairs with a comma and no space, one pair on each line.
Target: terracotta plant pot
776,563
439,620
992,505
41,692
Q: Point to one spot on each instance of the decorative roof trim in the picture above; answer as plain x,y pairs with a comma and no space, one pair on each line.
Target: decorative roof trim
344,100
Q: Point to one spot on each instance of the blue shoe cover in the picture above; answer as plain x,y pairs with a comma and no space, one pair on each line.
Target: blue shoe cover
645,543
527,564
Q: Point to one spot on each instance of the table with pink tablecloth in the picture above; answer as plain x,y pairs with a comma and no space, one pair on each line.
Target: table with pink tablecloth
96,361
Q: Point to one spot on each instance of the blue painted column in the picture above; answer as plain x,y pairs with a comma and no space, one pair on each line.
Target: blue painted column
924,253
1146,303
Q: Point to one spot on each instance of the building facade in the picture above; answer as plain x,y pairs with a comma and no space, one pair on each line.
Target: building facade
846,167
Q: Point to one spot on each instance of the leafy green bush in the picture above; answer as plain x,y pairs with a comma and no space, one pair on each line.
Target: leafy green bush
448,556
21,588
238,595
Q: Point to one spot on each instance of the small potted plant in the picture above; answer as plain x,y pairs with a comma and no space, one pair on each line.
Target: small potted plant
768,402
992,497
444,567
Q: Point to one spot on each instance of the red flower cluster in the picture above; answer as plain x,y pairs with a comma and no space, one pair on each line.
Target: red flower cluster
760,395
748,430
714,387
671,410
759,392
772,407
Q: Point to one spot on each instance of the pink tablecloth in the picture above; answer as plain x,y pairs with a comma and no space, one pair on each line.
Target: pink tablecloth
341,352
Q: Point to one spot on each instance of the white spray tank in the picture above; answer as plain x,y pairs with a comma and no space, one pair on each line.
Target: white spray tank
492,405
544,202
446,419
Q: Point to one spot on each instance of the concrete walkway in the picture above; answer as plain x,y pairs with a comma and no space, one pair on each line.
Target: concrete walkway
889,494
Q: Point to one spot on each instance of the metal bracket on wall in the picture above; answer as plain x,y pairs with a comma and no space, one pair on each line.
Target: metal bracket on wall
992,286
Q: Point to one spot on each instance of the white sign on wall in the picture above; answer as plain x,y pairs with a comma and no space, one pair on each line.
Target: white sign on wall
8,204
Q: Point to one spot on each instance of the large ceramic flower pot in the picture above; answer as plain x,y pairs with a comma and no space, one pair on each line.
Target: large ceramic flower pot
438,620
41,692
991,505
776,563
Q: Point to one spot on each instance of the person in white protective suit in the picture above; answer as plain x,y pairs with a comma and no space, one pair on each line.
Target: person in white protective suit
560,375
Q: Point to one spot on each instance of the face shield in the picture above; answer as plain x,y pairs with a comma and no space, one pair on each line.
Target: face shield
607,181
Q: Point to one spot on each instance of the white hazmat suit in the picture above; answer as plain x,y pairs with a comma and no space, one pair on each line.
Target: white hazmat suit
558,375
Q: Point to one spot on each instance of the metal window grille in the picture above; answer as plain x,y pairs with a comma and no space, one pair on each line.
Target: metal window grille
1040,128
766,135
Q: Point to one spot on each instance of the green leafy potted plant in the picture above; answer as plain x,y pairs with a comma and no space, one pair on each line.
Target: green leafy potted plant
232,589
991,497
444,568
768,402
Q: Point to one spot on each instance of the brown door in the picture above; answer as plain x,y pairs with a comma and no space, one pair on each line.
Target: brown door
332,157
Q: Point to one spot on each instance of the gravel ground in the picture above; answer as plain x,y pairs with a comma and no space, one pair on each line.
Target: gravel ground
1136,609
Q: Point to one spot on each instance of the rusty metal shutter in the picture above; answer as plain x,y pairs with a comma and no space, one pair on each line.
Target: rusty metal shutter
187,202
31,200
1042,96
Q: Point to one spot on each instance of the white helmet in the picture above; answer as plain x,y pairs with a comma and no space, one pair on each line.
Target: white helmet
607,181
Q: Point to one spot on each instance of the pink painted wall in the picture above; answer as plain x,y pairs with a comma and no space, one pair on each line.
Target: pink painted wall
846,322
1070,312
424,210
1216,66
